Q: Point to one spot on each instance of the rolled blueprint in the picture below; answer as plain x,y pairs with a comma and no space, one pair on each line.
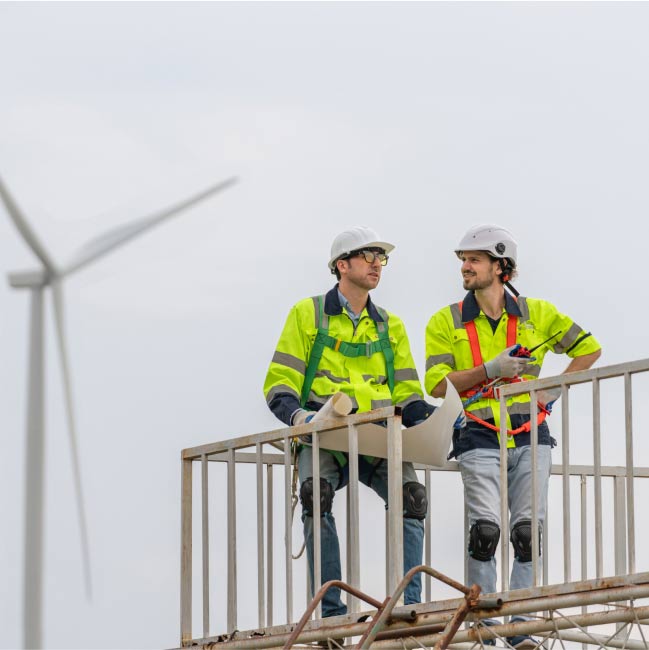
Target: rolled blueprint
337,406
427,443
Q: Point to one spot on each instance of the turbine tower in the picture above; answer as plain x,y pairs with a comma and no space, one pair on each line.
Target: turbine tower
36,281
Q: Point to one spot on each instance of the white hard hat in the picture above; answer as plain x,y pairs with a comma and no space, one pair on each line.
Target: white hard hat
354,239
496,240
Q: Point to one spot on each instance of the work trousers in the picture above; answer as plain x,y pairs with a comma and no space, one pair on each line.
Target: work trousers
375,477
481,477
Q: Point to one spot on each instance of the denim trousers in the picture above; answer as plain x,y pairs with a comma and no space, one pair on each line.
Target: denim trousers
480,470
374,476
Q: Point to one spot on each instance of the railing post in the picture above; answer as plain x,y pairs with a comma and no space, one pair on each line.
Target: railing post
354,557
186,554
205,544
619,532
395,504
597,472
504,501
232,542
317,524
288,529
261,571
534,496
619,525
584,535
630,497
428,534
565,468
269,543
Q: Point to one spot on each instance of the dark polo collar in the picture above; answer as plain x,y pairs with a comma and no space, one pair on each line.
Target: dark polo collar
471,309
333,307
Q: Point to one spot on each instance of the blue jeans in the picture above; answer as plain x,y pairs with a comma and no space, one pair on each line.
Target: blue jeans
375,477
480,470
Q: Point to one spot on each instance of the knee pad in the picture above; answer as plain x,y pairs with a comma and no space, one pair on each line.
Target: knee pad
415,503
483,540
522,540
326,496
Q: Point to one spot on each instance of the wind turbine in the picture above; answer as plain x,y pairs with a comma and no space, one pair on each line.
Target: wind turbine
51,275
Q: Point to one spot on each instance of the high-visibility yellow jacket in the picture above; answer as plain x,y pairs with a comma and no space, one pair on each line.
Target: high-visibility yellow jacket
448,349
363,378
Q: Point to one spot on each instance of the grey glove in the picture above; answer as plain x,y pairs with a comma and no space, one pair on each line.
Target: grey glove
505,365
302,417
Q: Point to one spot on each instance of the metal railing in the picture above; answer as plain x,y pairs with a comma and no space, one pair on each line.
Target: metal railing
624,502
273,448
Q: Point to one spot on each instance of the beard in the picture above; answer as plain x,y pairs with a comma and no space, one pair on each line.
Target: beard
472,283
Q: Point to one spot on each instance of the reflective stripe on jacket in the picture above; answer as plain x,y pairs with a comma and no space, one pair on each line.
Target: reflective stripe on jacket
363,378
448,348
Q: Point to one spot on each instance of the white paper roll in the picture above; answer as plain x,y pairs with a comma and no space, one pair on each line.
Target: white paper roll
337,406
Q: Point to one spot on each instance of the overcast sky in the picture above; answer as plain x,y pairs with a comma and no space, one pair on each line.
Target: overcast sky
417,119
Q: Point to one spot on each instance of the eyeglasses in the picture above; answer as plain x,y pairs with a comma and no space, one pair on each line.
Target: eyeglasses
370,255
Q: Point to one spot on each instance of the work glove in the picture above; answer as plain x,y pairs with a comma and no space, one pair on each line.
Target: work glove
302,417
504,365
460,423
547,397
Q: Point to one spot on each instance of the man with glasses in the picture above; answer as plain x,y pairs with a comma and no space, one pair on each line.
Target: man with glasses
342,341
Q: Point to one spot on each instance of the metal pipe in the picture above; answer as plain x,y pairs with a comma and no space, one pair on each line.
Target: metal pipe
232,543
348,569
261,570
288,529
428,535
458,617
186,553
354,557
630,497
522,628
584,536
619,525
317,558
545,550
565,464
534,496
504,501
382,619
205,546
597,462
269,544
584,527
315,603
395,503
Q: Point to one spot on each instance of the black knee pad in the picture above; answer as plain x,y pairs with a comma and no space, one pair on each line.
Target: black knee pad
326,496
522,540
415,503
483,540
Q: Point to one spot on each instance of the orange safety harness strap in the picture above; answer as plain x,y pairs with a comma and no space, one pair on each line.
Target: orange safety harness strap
525,428
474,342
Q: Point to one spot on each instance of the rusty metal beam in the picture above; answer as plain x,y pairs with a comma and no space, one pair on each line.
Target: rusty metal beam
429,615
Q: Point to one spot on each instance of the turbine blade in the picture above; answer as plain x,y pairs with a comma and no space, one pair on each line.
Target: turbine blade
20,221
59,318
115,237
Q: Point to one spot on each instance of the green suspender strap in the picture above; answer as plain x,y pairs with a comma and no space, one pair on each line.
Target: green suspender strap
345,348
